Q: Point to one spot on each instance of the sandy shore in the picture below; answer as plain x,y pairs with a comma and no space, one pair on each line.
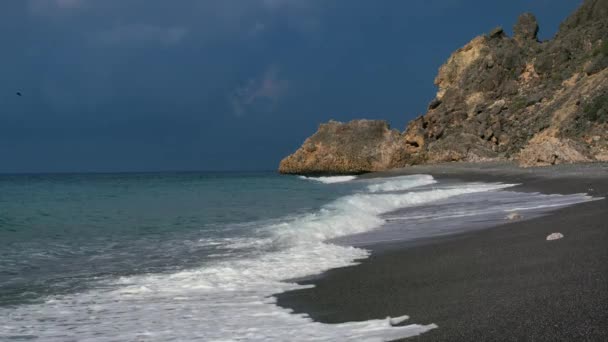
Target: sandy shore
506,283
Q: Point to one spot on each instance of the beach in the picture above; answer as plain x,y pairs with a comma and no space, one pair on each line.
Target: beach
506,283
203,256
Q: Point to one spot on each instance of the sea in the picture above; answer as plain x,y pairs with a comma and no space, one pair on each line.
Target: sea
198,256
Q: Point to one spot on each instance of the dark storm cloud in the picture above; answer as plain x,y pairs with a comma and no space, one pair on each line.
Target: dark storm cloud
224,84
102,43
143,33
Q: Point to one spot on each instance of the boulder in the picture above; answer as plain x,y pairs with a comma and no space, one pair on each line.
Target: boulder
497,32
545,150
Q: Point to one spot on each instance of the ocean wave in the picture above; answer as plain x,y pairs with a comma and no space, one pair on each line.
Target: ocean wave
401,183
361,212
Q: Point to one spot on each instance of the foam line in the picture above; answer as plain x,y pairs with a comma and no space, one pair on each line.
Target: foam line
330,180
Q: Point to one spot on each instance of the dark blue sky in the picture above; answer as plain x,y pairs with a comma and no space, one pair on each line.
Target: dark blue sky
145,85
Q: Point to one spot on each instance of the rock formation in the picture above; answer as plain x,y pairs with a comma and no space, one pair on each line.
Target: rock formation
498,98
356,147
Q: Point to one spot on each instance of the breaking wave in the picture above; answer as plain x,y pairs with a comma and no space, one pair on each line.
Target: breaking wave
329,180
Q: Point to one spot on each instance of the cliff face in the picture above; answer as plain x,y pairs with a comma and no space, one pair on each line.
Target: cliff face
499,98
517,98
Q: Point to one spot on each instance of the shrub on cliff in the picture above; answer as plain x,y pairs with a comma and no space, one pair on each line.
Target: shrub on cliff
597,109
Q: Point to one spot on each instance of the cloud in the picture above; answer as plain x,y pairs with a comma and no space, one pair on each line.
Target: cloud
264,90
68,3
208,20
143,33
274,4
270,86
257,29
50,6
303,16
252,18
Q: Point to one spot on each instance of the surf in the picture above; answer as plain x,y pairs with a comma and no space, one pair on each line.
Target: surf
237,290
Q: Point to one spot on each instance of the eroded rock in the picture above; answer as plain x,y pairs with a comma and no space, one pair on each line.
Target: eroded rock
347,148
526,28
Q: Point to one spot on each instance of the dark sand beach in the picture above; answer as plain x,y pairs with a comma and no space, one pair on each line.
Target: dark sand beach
506,283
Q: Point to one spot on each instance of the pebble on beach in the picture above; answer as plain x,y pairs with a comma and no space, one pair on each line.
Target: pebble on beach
555,236
513,217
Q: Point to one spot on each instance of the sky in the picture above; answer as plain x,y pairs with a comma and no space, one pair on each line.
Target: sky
153,85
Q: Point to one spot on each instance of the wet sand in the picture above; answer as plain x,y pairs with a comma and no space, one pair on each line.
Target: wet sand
505,283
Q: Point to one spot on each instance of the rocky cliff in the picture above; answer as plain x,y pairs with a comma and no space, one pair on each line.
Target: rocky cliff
499,98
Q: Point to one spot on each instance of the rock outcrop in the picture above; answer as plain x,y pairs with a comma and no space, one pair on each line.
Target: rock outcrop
347,148
498,98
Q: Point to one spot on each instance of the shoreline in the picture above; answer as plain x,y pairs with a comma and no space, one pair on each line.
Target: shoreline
501,283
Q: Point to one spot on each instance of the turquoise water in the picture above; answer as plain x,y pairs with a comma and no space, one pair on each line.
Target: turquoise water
59,232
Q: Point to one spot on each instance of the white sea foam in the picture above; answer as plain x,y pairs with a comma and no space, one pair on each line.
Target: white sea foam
462,213
401,183
223,302
553,201
330,180
229,300
361,212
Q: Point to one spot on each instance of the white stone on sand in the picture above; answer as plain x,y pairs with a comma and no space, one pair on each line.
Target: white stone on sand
514,216
555,236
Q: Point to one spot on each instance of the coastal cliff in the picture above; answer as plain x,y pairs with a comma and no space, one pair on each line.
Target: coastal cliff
499,98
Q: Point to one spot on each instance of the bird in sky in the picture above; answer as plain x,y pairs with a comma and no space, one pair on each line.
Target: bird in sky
18,93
